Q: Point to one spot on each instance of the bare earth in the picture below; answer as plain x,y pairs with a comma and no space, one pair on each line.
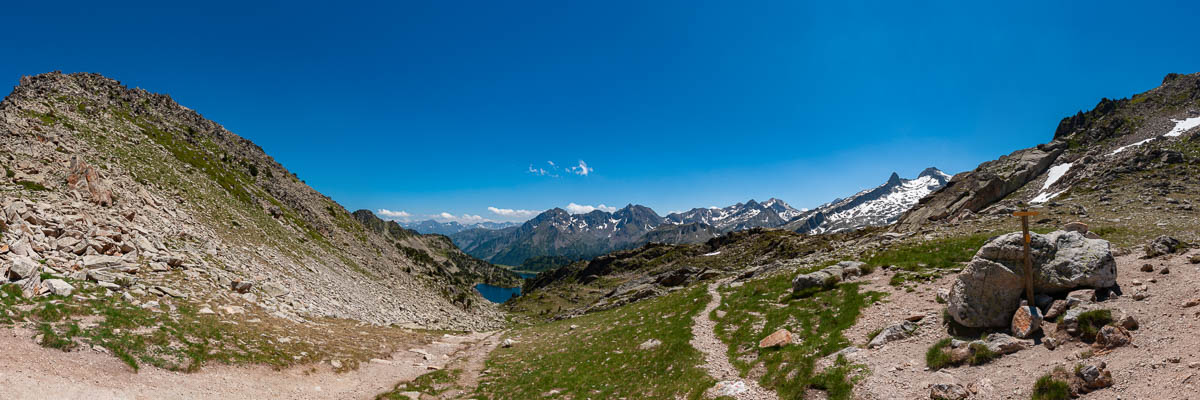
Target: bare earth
1155,366
28,371
716,360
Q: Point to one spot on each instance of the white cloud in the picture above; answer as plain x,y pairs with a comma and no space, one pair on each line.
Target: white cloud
543,171
582,169
584,209
508,212
462,219
393,215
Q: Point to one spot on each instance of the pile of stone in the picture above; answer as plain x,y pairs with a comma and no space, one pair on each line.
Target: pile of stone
40,242
1084,378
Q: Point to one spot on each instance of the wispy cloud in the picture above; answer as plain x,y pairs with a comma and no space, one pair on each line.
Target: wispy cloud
511,213
584,209
582,169
393,215
552,169
462,219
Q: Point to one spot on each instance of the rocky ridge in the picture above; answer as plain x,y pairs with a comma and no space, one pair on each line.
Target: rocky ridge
107,184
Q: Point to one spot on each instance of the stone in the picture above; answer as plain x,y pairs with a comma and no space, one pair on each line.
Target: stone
948,391
1191,303
649,344
1076,227
84,179
240,286
23,267
58,287
1093,377
778,338
816,279
1111,337
1161,245
170,292
205,311
893,333
159,267
985,294
1147,267
1000,343
273,289
1026,321
1165,270
729,388
101,261
507,343
1050,342
1058,307
1128,322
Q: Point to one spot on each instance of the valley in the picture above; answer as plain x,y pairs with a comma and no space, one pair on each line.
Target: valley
149,252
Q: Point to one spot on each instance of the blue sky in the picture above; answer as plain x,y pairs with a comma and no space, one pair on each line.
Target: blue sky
447,106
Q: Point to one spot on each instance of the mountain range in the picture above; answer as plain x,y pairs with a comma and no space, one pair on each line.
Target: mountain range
432,227
557,233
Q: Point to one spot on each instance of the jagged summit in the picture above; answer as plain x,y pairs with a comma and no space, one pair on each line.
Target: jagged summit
882,205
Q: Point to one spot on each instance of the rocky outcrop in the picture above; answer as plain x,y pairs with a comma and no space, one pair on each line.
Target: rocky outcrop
828,276
989,290
972,191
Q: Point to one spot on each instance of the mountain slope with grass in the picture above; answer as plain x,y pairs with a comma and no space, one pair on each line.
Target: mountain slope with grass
105,184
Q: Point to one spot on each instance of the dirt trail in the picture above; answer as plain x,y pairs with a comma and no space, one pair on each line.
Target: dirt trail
471,361
716,361
28,371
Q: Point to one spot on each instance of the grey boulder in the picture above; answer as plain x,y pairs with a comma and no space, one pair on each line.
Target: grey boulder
989,289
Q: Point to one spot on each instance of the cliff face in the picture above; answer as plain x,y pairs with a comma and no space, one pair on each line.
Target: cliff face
181,187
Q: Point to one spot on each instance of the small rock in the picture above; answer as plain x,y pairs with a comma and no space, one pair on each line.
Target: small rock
649,344
58,287
1076,227
1161,245
507,343
1111,336
1165,270
892,333
23,267
778,338
729,388
948,391
1191,303
1026,321
240,286
1147,267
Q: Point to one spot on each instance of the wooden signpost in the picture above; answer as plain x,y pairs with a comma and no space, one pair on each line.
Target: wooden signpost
1028,253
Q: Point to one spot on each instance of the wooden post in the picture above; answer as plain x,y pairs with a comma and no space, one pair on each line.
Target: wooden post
1028,254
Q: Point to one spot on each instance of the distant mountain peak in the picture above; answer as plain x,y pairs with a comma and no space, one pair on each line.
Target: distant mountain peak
893,180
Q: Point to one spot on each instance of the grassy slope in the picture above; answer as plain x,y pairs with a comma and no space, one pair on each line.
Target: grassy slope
756,309
601,358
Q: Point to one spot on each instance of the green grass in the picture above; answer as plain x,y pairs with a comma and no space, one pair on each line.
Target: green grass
817,320
922,261
1090,323
433,383
32,186
601,359
980,354
178,341
936,357
1048,388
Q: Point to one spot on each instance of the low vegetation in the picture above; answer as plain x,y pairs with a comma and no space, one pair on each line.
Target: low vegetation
602,357
756,309
433,384
939,355
1090,323
1048,388
175,335
927,260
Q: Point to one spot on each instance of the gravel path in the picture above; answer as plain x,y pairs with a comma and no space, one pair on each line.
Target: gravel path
28,371
716,361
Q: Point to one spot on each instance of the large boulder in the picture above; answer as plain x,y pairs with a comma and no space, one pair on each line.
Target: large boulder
1161,245
989,290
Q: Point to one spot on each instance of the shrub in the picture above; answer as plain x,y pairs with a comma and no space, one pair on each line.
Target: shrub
1090,323
980,354
1048,388
936,357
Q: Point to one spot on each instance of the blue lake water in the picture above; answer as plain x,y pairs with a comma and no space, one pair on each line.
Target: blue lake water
497,294
526,275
